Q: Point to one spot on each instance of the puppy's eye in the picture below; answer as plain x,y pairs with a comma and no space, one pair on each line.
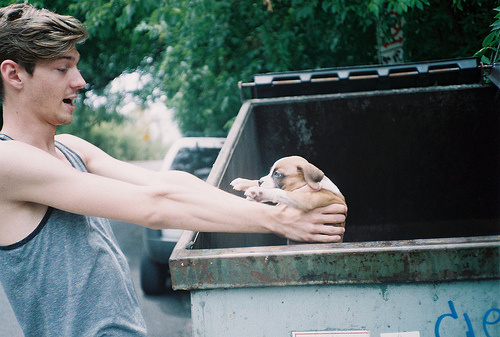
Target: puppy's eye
278,175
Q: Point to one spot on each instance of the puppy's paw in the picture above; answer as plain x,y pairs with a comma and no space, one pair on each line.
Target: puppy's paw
255,193
240,184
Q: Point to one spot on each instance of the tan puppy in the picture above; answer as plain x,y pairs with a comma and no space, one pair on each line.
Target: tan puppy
295,182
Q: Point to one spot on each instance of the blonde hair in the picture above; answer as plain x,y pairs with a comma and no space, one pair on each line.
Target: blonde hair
29,34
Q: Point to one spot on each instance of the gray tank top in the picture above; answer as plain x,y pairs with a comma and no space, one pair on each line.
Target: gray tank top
69,277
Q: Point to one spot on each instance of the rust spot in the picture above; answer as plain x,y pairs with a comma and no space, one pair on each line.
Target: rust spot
260,277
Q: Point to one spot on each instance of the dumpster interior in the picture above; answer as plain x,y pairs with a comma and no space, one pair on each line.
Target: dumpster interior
413,163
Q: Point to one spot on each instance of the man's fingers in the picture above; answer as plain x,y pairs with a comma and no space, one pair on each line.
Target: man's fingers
328,238
322,238
332,214
333,209
328,232
328,229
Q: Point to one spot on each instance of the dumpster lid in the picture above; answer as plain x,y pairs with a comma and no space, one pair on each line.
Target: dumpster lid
448,260
364,78
494,75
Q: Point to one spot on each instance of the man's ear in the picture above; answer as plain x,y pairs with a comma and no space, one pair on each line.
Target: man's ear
10,71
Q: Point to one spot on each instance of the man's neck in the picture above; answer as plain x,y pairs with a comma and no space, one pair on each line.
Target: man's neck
34,135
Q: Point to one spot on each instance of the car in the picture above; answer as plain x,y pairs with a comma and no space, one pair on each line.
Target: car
195,155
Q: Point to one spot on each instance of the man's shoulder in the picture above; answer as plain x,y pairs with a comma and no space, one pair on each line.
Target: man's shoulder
11,148
24,166
20,162
15,155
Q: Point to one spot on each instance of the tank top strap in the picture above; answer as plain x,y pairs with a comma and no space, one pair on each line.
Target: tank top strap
4,137
72,156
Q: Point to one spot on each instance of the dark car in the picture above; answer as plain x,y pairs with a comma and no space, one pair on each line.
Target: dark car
195,155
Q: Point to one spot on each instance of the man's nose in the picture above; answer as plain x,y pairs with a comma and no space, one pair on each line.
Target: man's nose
78,81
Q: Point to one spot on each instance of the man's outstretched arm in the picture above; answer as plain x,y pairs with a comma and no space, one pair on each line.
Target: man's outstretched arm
156,200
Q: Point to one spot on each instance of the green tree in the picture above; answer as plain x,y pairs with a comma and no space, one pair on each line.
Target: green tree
490,53
198,50
446,30
213,44
116,44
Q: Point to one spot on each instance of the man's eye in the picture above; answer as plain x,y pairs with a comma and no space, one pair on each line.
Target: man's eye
63,70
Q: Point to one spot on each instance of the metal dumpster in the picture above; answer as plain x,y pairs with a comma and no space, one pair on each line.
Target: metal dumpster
415,149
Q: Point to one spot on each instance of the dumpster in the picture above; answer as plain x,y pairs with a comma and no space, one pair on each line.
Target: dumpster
415,149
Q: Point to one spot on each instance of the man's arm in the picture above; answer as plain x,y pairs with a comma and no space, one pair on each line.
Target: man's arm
156,200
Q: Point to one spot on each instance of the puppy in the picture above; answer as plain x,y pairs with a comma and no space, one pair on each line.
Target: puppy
292,181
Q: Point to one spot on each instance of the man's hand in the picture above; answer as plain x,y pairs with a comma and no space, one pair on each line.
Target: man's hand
323,224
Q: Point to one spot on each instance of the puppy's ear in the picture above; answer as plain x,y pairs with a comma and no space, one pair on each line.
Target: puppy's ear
312,175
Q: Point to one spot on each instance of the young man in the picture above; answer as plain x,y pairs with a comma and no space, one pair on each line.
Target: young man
60,265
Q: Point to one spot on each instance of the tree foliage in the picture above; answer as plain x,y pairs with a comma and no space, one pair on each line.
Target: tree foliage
198,50
490,53
214,44
443,30
116,44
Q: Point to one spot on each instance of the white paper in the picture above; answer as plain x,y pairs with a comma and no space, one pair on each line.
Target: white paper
401,334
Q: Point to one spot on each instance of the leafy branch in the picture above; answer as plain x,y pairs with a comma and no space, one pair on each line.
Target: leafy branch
491,44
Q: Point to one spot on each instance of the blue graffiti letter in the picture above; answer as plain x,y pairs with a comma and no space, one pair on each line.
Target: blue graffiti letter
453,315
486,322
470,332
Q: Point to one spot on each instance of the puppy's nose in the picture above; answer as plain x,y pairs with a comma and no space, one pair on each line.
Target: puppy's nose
260,182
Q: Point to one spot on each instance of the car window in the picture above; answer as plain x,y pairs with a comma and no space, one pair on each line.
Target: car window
196,160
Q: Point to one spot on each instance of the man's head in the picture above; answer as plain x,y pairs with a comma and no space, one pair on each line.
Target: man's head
29,35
